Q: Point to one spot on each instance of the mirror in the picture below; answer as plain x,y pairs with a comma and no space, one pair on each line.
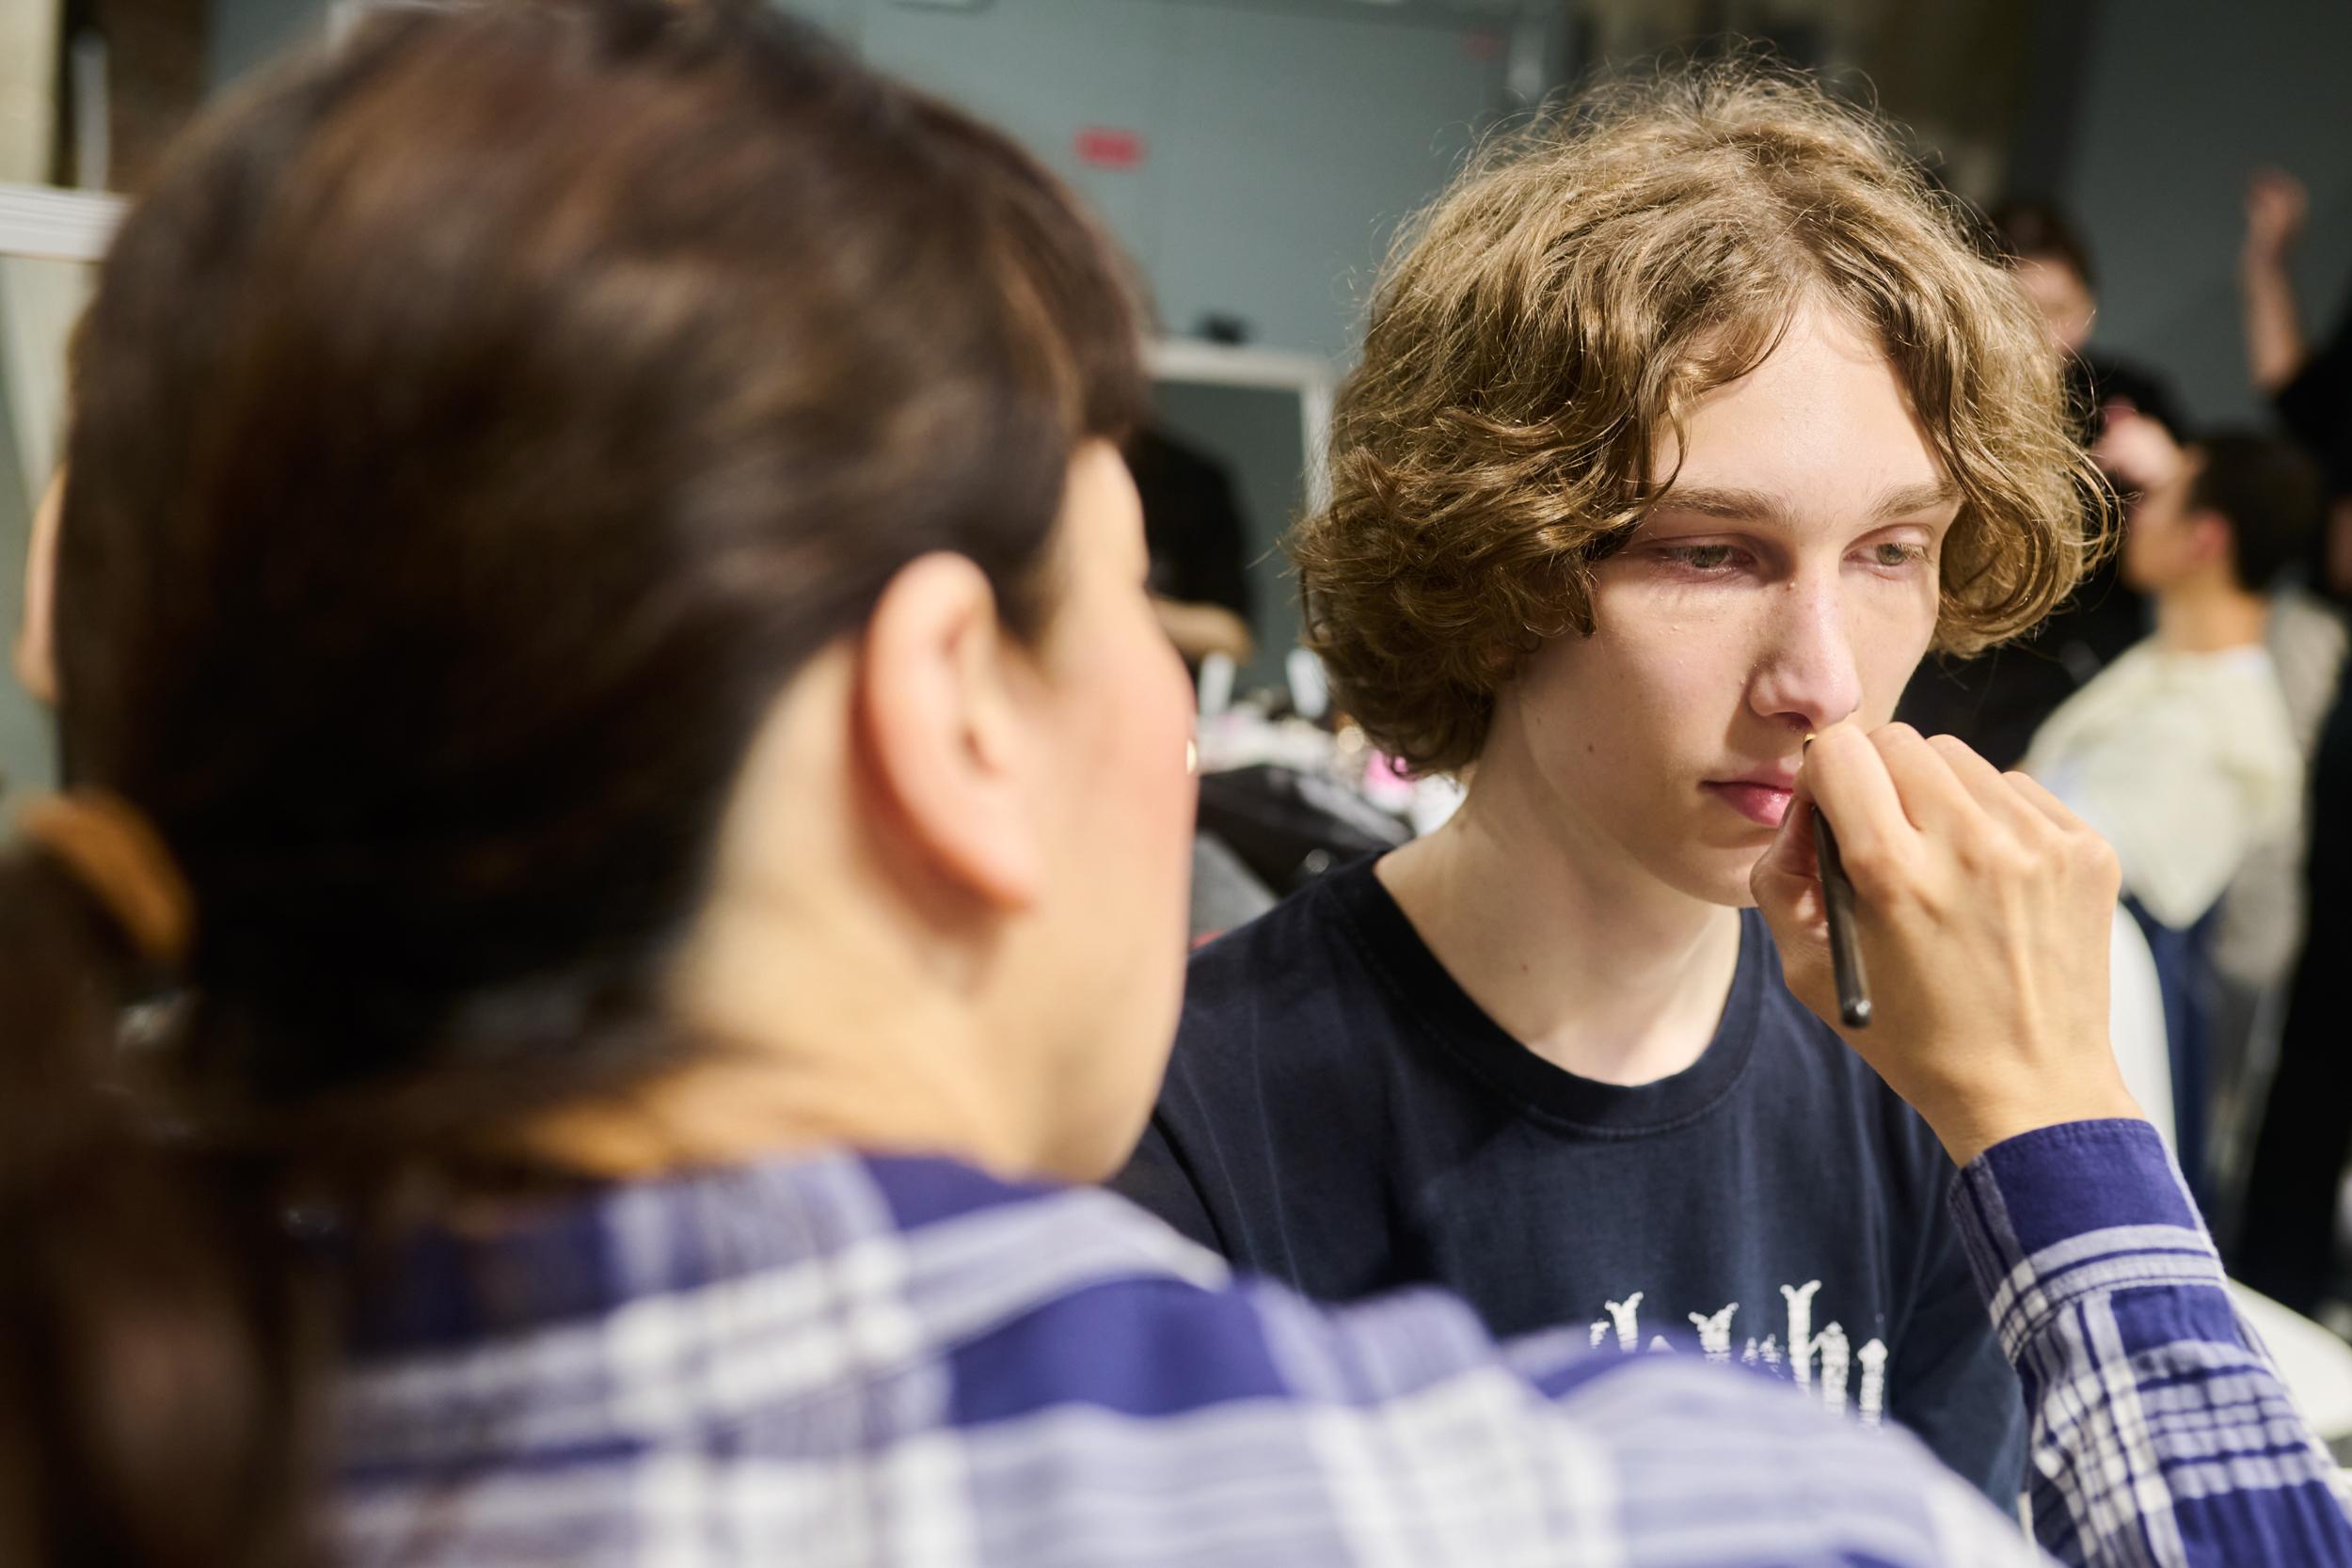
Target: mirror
48,242
1262,417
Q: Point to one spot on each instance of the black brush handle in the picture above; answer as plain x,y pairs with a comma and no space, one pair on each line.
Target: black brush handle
1845,943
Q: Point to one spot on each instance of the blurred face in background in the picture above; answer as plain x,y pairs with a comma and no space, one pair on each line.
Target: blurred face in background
2164,541
1787,581
2068,307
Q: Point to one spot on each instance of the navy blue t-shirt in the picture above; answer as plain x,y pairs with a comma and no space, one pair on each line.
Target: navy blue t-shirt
1341,1116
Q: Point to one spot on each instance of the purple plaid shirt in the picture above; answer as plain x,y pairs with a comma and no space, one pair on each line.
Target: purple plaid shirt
853,1360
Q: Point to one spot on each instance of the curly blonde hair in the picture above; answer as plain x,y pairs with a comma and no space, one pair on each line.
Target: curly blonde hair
1542,325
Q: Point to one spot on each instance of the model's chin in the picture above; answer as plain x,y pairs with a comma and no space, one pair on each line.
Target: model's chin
1716,873
1733,890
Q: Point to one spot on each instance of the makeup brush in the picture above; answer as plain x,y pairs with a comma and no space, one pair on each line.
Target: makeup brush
1845,943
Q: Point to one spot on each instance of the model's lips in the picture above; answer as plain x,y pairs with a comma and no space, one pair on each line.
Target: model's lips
1761,802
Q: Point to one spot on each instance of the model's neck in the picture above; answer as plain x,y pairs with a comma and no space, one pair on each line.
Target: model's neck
1571,947
2210,613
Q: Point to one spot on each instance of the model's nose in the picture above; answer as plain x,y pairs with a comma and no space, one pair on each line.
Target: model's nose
1807,677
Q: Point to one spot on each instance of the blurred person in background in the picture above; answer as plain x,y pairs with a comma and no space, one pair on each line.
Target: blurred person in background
617,733
2287,1245
2182,752
1200,548
2262,917
1996,700
1630,495
2311,390
2047,254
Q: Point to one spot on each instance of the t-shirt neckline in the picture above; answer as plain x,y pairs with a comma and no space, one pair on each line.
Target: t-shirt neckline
1439,1012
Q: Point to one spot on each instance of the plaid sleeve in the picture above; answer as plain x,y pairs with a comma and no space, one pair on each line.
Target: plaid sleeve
2161,1432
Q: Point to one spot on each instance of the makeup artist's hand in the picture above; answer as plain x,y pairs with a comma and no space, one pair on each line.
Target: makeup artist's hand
1985,909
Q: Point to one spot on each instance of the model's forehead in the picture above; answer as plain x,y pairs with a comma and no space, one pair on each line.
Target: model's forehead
1824,420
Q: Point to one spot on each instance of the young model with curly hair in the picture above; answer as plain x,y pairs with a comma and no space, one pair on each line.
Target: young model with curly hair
1681,432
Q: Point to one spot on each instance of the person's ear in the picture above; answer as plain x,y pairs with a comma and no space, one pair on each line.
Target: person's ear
36,660
943,729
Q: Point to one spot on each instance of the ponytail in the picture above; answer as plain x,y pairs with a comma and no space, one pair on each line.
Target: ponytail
145,1367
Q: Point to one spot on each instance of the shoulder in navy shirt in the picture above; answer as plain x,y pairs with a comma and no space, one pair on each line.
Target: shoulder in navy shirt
1341,1116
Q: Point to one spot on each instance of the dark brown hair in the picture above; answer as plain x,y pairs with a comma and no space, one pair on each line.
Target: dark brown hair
2031,230
2268,490
472,433
1556,313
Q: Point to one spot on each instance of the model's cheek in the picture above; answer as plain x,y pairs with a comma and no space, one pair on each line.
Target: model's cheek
1587,698
1692,665
1891,635
1666,703
1666,647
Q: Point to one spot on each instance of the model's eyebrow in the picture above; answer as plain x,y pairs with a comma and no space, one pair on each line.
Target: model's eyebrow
1917,497
1739,505
1712,502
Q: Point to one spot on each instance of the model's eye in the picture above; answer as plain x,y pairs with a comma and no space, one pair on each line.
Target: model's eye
1706,558
1898,554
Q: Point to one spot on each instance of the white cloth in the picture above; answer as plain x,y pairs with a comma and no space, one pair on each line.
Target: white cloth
2185,762
2307,640
2260,927
2315,1366
2136,1024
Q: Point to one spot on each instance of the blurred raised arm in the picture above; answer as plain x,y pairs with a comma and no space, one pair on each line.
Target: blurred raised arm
2275,206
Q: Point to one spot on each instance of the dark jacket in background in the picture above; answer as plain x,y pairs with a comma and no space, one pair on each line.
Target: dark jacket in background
1191,523
2286,1248
1996,700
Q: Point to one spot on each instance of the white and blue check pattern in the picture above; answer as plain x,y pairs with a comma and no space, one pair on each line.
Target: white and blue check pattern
852,1360
2161,1433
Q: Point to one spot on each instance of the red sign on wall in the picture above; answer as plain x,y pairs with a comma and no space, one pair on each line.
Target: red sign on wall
1102,147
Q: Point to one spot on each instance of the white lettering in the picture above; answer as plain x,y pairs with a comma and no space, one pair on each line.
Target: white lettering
1626,1315
1715,1333
1831,1350
1873,1358
1830,1343
1801,1343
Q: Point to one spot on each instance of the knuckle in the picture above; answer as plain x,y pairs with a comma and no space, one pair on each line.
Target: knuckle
1868,868
1884,876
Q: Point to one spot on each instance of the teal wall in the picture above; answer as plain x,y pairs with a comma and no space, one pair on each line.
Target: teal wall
247,34
1287,136
26,762
1283,139
2180,99
1282,145
1258,435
